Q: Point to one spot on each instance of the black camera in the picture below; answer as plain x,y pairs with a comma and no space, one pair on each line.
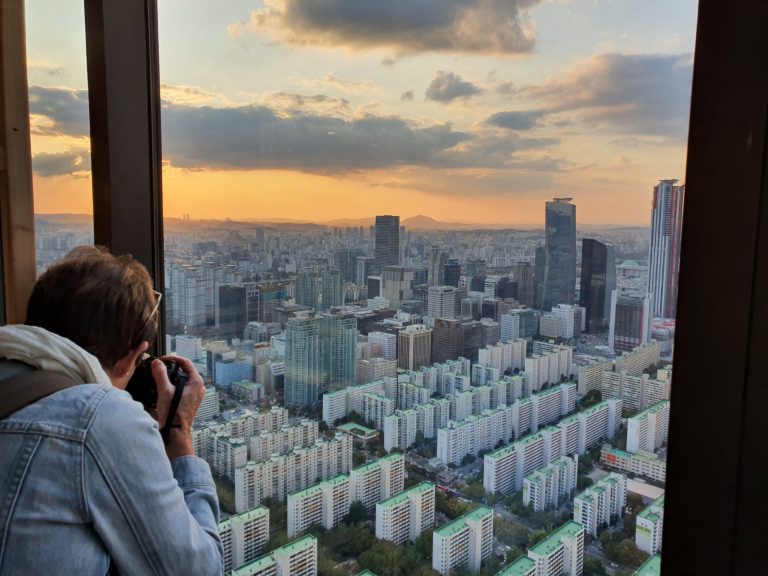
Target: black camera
142,385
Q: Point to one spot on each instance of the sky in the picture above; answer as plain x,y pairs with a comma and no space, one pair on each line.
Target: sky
462,110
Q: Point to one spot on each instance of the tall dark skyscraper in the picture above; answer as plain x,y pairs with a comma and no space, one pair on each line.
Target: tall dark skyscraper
523,274
346,262
387,241
598,280
437,258
236,305
560,253
452,273
664,258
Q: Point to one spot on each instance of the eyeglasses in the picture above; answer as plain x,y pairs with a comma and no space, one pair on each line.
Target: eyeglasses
159,297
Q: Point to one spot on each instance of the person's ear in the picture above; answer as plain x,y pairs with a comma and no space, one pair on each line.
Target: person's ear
123,369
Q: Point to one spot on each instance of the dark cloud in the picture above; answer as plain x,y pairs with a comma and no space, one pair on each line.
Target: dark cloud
273,137
255,137
388,62
447,86
645,94
516,120
487,26
67,109
60,163
407,95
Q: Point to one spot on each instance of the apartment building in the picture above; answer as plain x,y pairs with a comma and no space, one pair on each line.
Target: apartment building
406,515
467,541
244,536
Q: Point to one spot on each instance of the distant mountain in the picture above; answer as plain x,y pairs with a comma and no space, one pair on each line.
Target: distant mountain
64,219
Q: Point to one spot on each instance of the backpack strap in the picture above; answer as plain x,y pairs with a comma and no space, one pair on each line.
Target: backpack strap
26,388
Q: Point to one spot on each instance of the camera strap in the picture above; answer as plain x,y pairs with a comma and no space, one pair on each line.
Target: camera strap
165,431
28,387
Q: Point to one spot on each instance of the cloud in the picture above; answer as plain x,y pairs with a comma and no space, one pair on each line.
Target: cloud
253,137
388,62
516,120
643,94
407,95
505,88
294,132
477,26
447,86
184,94
60,163
66,109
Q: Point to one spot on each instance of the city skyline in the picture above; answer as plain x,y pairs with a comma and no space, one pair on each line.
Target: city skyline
278,115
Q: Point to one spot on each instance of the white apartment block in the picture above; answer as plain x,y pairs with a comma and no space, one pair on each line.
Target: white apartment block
518,386
409,395
637,392
498,393
209,407
561,553
549,367
450,383
284,440
388,343
340,403
590,375
325,503
227,454
573,319
641,463
442,412
461,405
649,527
550,405
473,434
406,515
239,423
640,359
601,504
551,326
467,541
599,422
522,417
649,430
189,347
483,374
286,473
481,399
509,354
244,536
425,414
400,430
510,327
377,480
376,408
299,558
550,485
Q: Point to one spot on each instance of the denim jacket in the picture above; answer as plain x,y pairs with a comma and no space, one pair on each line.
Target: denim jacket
84,478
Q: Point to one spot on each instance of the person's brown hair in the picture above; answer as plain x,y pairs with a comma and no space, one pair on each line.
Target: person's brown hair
101,302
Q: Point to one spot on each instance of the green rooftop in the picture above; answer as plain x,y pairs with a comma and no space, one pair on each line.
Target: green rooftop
458,525
652,410
403,496
549,545
651,567
256,566
295,546
250,514
358,429
596,408
311,491
365,468
523,566
366,573
648,512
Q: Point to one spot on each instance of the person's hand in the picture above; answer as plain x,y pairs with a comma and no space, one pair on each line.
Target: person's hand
180,441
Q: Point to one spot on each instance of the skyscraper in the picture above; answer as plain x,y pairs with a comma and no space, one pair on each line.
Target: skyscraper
235,306
560,253
630,324
319,356
664,258
346,262
441,302
414,347
598,281
319,288
523,274
397,285
447,340
452,273
387,241
436,261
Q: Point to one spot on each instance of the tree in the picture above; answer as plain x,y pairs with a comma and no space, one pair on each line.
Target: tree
424,543
474,491
584,482
323,427
591,398
537,537
357,513
593,567
513,554
419,441
468,459
511,534
355,417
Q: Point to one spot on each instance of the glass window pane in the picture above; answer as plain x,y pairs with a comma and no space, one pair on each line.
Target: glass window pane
60,132
449,230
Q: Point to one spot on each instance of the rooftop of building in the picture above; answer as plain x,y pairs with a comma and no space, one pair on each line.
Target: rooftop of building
356,429
664,404
520,567
649,512
460,523
651,567
295,546
404,496
549,545
311,491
